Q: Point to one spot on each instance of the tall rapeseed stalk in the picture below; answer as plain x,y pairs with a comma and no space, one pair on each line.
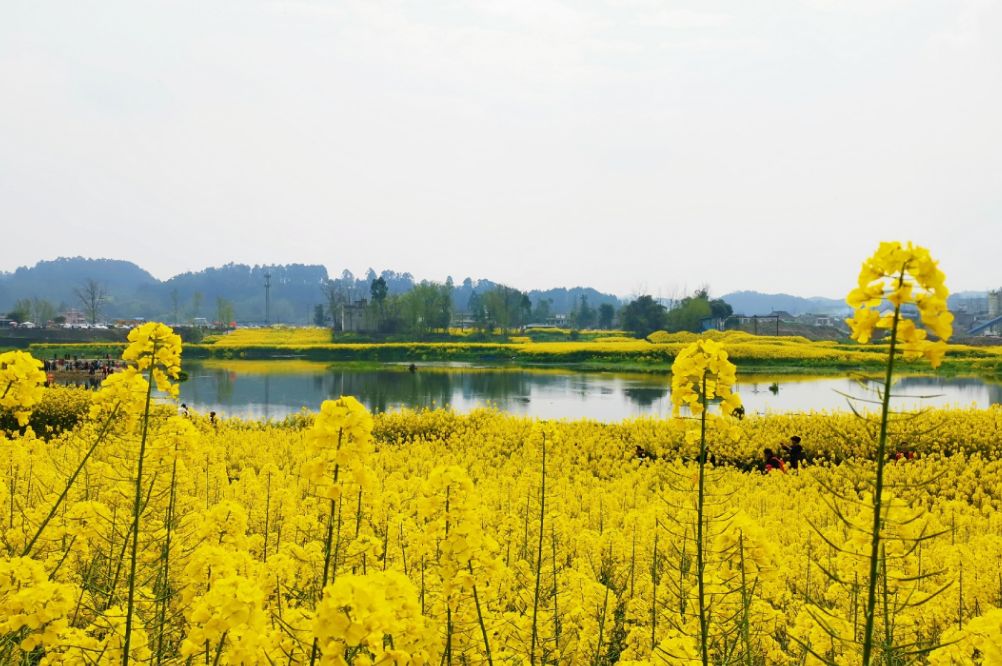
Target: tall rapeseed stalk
154,349
903,276
701,373
339,443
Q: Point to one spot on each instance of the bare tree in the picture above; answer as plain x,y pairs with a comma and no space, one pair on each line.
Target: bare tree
334,294
92,296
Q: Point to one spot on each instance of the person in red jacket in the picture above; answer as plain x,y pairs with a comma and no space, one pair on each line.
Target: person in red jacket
773,462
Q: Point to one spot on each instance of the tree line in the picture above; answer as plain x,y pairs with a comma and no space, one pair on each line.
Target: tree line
396,304
644,315
131,292
431,307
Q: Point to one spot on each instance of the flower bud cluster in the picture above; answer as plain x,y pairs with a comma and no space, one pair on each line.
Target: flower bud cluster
21,382
357,613
700,371
902,275
341,439
156,345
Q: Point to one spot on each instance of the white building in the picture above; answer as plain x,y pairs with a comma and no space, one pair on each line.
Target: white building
994,303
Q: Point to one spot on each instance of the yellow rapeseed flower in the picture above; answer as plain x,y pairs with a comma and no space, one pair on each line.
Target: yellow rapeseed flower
702,370
902,275
21,382
156,345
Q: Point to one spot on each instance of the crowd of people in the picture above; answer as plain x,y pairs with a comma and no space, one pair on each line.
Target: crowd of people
795,457
792,456
81,372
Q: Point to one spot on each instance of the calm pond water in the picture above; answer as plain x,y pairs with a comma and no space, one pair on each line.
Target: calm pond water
275,389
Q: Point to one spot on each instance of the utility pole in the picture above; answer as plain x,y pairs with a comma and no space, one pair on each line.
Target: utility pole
267,299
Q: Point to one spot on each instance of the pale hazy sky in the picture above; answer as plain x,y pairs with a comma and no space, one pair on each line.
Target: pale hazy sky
630,145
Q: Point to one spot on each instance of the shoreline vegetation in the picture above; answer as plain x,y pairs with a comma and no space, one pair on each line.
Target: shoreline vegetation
592,352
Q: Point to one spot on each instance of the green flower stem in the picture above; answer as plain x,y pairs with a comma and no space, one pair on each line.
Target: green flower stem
871,597
448,603
165,601
136,510
480,618
70,482
267,514
745,605
539,559
556,612
654,589
704,628
314,651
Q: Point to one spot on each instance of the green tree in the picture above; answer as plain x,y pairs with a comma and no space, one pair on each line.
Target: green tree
426,307
541,312
688,315
378,290
690,312
643,316
319,316
21,311
505,308
606,314
495,310
445,303
224,311
583,315
389,319
720,308
475,306
42,311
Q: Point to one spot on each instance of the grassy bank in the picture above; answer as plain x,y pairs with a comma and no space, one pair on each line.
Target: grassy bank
611,353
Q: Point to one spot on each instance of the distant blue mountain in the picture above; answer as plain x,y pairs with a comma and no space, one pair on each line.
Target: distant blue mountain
757,303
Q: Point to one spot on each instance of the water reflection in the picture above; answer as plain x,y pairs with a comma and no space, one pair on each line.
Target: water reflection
644,396
257,389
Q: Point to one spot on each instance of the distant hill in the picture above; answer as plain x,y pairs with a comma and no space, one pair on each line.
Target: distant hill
134,292
55,281
756,303
295,290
